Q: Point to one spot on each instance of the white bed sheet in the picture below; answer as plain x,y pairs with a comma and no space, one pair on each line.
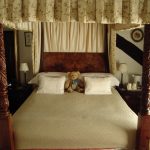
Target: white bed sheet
75,120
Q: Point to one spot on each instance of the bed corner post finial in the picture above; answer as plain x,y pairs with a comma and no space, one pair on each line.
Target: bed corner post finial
6,134
143,133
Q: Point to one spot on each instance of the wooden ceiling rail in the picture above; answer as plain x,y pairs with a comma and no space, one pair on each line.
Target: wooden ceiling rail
6,131
143,133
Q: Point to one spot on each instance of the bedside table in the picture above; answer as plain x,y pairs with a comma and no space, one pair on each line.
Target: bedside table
132,98
17,95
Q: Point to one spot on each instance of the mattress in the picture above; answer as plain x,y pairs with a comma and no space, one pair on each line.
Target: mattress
75,121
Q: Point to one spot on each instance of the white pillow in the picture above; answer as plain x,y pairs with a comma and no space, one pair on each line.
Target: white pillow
114,80
35,80
51,85
97,86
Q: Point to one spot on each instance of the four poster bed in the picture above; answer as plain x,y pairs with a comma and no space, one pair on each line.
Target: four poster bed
77,130
75,120
63,117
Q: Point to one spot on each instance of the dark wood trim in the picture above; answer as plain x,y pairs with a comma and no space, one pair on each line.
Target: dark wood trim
143,133
106,48
42,44
6,132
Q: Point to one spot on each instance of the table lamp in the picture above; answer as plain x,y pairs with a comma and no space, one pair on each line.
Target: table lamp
122,69
24,68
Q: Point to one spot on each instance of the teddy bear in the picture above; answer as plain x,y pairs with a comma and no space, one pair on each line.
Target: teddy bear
74,83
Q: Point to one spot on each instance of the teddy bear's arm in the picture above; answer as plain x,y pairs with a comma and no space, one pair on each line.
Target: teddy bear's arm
81,84
68,87
67,84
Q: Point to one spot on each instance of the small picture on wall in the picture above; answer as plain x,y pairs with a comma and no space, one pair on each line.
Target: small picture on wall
28,38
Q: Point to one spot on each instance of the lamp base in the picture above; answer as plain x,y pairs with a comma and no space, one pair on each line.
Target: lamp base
25,78
121,82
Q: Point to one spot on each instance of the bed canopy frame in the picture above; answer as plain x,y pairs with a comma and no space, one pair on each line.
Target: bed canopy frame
143,132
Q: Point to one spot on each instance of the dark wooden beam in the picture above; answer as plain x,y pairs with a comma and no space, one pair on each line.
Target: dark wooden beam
143,133
6,131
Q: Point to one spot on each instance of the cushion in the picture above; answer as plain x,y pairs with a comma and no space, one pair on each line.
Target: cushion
97,85
51,85
114,80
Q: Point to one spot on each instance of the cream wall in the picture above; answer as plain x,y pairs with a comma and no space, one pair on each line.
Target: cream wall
25,55
122,57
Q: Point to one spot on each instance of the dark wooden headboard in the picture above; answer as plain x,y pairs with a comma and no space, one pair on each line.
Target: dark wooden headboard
83,62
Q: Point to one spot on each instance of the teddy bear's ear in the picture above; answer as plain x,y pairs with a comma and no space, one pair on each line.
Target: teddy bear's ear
68,73
78,73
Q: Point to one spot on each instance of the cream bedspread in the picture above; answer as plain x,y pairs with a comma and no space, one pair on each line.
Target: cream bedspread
75,120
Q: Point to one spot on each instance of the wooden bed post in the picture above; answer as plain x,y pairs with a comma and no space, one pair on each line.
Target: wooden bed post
143,133
6,132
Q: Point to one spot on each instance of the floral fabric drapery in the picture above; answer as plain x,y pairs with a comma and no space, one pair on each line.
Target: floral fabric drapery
101,11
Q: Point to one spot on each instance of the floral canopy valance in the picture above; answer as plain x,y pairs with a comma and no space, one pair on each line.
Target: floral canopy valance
101,11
